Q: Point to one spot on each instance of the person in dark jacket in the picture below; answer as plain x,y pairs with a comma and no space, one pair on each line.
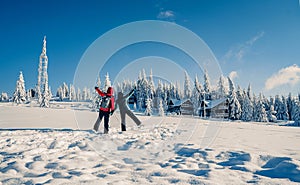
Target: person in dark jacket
107,108
121,102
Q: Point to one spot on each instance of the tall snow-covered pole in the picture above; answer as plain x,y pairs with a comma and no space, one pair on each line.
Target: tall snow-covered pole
42,86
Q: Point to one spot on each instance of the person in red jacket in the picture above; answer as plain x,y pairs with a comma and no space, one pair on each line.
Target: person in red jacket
107,108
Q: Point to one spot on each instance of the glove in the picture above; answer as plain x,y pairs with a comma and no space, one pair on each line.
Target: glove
96,87
112,112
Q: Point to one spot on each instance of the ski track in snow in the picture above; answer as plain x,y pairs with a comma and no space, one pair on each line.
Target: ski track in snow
165,150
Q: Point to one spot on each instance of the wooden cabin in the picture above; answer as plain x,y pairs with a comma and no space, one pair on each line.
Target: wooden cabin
184,107
187,107
214,108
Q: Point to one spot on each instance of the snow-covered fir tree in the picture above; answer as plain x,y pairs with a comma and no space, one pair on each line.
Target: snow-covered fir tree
206,85
266,103
98,83
46,95
50,92
72,93
221,88
272,114
247,109
43,75
151,91
159,90
142,91
160,95
196,95
139,93
161,111
107,83
249,92
65,90
3,97
96,100
296,111
172,92
289,104
277,105
187,86
281,108
234,105
86,94
79,95
29,95
240,95
60,93
20,92
148,111
177,91
260,114
271,101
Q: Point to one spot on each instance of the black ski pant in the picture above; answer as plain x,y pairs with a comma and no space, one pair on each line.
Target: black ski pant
102,114
123,113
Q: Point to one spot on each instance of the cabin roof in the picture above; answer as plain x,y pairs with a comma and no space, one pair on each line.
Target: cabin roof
210,104
177,102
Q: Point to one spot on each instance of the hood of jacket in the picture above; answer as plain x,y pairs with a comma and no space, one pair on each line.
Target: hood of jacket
110,91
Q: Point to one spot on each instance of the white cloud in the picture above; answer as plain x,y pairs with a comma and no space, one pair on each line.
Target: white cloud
241,50
168,14
233,75
286,76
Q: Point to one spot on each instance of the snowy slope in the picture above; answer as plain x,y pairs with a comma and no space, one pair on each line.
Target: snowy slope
55,146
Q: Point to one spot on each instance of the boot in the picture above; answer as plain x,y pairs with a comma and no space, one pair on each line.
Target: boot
123,126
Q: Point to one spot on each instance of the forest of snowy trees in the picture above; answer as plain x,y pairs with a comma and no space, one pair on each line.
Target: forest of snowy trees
153,99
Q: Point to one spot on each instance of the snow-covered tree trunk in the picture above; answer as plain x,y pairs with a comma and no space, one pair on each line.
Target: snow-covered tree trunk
161,111
148,111
20,92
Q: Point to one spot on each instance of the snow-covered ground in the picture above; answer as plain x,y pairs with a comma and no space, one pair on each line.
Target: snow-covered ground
56,146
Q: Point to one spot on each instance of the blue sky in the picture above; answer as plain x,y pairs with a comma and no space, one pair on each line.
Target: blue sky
254,41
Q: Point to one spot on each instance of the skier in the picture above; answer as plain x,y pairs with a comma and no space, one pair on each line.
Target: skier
121,102
107,108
